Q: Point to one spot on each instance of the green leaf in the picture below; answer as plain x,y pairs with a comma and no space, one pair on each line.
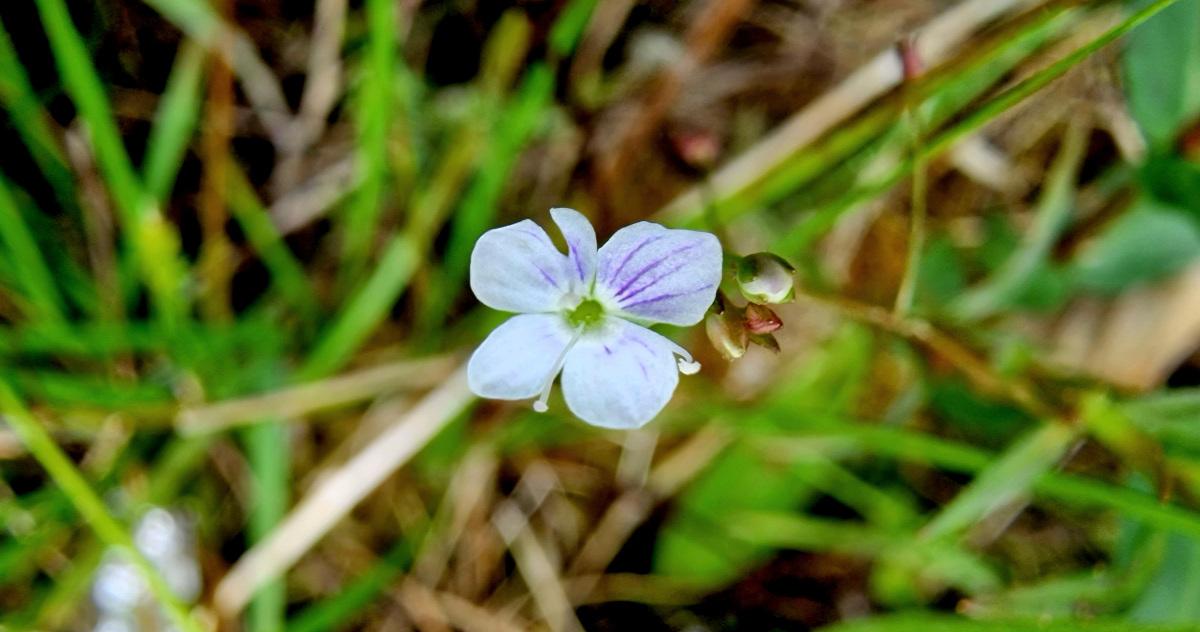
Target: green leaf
1178,575
699,542
696,545
1170,416
1162,70
1008,477
1174,181
1147,243
1024,271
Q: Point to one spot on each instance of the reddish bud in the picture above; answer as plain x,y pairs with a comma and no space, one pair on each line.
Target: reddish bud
761,320
910,57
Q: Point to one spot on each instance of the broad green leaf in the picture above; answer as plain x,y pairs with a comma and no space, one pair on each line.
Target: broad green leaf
1179,574
1147,243
1162,70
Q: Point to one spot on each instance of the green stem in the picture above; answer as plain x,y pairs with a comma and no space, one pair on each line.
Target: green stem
916,222
974,121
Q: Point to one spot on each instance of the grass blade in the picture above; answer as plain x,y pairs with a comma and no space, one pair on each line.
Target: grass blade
31,267
175,121
374,116
155,242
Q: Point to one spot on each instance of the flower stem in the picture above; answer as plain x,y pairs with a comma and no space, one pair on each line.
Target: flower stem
916,221
88,503
962,357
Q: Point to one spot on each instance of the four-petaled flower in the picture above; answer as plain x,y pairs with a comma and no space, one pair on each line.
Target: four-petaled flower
586,314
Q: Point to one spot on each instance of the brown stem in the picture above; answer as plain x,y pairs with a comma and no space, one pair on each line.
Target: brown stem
963,358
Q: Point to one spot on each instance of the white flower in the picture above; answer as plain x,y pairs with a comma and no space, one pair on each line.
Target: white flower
586,314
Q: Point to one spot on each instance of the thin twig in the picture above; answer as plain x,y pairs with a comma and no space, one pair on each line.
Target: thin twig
633,507
298,401
340,492
954,352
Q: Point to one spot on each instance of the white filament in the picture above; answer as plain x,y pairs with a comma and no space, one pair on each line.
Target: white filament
686,364
540,405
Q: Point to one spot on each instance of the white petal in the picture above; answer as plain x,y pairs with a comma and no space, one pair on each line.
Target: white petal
581,246
517,359
620,376
516,268
659,275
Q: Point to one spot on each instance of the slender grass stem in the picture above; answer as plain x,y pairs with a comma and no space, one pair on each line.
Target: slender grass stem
990,110
918,210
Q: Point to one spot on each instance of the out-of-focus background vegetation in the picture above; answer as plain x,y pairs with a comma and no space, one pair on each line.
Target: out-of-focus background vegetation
234,238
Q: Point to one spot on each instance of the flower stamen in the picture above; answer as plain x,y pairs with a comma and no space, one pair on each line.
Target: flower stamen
541,404
686,364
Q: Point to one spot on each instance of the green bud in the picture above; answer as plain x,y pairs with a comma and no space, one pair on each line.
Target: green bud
765,278
727,333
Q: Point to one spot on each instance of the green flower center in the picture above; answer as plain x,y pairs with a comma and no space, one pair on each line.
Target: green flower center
588,314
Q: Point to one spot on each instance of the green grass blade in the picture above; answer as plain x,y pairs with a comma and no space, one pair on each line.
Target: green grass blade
374,116
267,452
334,612
365,309
513,129
33,123
155,243
287,273
948,96
848,439
33,272
989,111
1053,215
174,121
1004,480
569,27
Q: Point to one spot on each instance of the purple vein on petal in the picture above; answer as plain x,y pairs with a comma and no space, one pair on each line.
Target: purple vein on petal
536,234
610,275
654,264
652,282
639,342
574,248
546,275
663,297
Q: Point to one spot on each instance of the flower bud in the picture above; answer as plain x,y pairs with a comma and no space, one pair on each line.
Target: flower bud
761,320
727,332
766,278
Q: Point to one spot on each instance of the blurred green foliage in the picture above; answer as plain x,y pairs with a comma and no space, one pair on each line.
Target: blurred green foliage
91,334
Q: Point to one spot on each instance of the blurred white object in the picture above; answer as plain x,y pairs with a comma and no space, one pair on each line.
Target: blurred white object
120,594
